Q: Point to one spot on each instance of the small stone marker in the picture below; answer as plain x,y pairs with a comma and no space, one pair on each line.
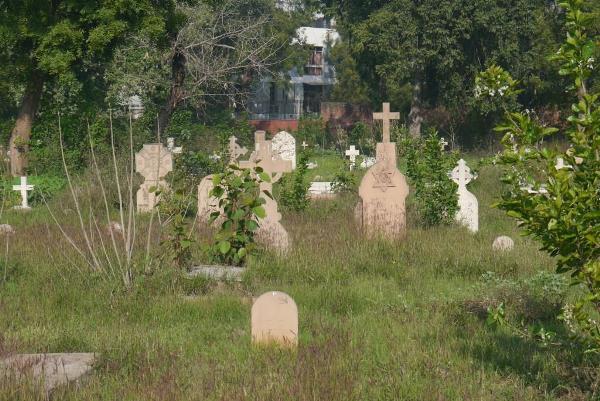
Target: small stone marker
312,165
503,243
153,162
321,190
284,146
304,145
443,143
23,188
383,190
51,369
468,207
214,157
352,153
172,148
270,232
368,162
275,320
218,272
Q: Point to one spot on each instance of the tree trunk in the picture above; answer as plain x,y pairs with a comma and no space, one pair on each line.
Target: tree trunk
414,117
21,132
177,92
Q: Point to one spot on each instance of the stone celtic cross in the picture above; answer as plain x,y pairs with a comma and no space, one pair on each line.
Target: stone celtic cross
386,116
462,174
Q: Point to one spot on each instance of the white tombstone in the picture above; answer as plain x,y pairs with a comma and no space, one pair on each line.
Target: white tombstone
468,207
503,243
312,165
443,143
23,188
275,319
171,146
304,145
320,188
352,153
368,162
284,146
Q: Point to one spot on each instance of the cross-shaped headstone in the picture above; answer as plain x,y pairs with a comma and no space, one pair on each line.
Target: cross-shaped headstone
386,116
23,188
462,174
172,148
235,150
304,145
352,153
443,144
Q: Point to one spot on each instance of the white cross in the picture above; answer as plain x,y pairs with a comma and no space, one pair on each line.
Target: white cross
443,144
304,145
386,117
462,174
23,188
171,146
352,153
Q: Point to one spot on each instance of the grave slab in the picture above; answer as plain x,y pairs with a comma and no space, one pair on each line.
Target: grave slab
217,272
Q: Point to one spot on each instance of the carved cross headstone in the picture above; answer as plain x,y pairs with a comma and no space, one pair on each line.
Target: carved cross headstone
23,188
235,150
172,148
153,162
274,319
468,207
383,190
270,231
352,153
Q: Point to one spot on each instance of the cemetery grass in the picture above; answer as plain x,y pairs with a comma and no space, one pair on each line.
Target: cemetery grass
378,321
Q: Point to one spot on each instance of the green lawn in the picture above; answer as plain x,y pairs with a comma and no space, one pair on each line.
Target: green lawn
378,321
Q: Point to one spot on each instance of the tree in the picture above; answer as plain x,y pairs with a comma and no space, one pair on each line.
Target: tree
43,42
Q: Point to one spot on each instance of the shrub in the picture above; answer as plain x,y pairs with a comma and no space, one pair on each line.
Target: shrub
293,193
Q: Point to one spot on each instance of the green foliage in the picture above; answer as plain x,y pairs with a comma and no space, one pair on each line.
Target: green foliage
427,169
345,181
558,204
45,188
293,193
238,191
312,130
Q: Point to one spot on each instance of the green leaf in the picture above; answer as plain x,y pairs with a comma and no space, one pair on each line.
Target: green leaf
259,211
224,247
264,177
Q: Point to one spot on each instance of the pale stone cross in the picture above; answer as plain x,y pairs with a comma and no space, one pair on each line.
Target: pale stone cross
23,188
304,145
352,153
462,174
235,150
443,144
172,148
386,116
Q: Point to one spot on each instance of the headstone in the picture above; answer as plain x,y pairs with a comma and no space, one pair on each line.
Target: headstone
275,320
368,162
207,204
214,157
235,151
320,190
468,207
312,165
52,370
23,188
284,146
153,162
270,232
304,145
503,243
383,190
443,143
352,153
560,164
172,148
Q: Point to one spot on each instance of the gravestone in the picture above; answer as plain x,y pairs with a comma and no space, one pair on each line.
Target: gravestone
468,207
352,153
172,148
153,163
321,190
235,151
52,370
304,145
503,243
368,162
383,190
23,188
270,232
284,146
274,319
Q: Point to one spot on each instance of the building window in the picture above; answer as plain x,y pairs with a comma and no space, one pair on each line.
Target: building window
315,63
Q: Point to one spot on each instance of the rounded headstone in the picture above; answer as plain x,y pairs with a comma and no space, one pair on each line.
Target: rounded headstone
284,145
275,319
503,243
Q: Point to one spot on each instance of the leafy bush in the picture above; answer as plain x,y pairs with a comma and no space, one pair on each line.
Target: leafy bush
177,245
238,191
45,188
293,193
427,169
345,180
312,130
555,195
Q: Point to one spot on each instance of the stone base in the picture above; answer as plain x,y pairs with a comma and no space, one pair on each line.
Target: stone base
218,272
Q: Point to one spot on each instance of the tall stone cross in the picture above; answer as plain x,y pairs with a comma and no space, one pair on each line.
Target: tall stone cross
386,116
23,188
235,150
271,231
171,146
352,153
468,206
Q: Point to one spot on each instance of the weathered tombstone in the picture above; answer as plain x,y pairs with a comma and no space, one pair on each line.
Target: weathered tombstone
235,150
172,148
284,146
468,207
153,162
207,204
23,188
503,243
321,190
368,162
383,190
270,232
275,319
352,153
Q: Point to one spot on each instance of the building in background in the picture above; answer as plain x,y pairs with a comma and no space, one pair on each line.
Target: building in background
276,106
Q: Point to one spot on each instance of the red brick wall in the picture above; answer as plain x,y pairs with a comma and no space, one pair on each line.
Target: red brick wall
274,126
